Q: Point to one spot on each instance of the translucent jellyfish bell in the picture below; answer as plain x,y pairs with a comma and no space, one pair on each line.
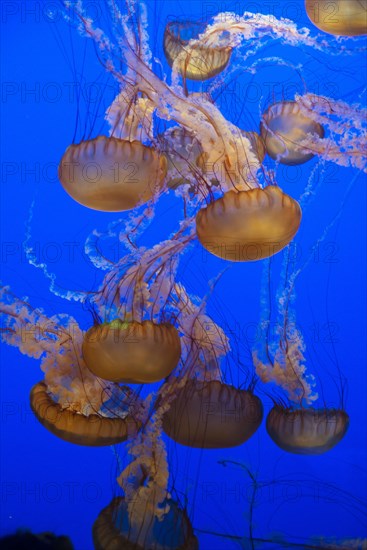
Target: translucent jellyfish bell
283,128
111,174
201,62
339,17
132,352
93,430
183,151
306,431
112,529
249,225
212,415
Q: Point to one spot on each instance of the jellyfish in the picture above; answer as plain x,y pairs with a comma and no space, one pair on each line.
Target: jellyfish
212,415
70,402
111,174
93,430
294,423
112,529
308,431
341,17
250,225
283,129
183,152
193,58
132,352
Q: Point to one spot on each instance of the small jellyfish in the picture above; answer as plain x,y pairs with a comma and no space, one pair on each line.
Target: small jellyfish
132,352
201,61
183,152
112,529
93,430
306,431
283,128
248,225
339,17
111,174
212,415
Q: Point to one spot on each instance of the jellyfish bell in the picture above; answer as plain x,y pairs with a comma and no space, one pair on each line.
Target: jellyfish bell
248,225
132,352
306,431
212,415
112,529
283,128
111,174
201,62
93,430
339,17
183,152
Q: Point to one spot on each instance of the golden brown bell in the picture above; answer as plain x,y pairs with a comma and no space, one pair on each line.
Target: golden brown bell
201,62
93,430
111,174
249,225
339,17
212,415
133,352
306,431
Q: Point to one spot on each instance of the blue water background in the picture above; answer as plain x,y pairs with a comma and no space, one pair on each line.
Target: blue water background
47,484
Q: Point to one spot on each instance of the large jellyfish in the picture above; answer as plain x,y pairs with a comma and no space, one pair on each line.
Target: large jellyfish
212,414
147,327
132,352
111,174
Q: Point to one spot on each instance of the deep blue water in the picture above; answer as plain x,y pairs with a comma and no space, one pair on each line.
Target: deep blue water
47,484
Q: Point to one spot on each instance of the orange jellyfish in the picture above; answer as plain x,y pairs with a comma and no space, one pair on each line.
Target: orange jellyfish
199,62
306,431
248,225
212,415
339,17
70,402
93,430
295,425
112,529
283,128
132,352
111,174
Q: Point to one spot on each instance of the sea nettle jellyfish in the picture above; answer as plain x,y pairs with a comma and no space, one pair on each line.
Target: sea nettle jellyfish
112,529
93,430
70,402
132,352
297,426
306,431
183,152
283,128
195,60
111,174
211,415
248,225
339,17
